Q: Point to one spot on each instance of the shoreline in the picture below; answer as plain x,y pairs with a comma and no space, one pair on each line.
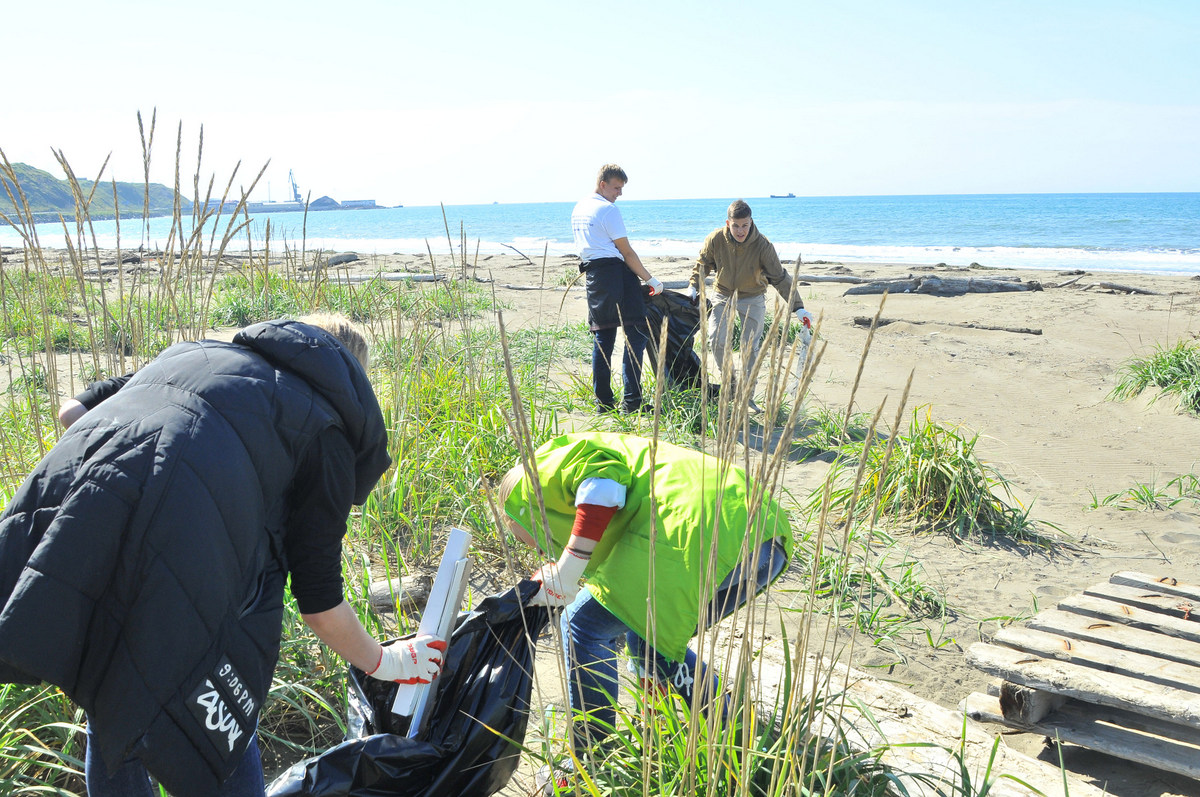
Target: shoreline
1127,233
670,268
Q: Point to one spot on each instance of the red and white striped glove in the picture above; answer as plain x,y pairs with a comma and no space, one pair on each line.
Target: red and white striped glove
411,661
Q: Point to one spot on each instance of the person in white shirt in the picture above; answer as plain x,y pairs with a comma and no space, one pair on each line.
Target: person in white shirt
615,294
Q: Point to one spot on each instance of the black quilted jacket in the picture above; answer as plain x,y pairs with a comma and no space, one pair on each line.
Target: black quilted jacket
141,565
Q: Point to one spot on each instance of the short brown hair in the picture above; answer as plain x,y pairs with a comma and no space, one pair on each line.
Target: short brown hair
738,209
610,170
348,333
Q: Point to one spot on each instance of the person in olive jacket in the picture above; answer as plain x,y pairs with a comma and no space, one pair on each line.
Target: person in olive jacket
745,263
143,561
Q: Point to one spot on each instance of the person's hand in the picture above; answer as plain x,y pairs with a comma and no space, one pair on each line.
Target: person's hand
411,661
693,296
560,580
655,285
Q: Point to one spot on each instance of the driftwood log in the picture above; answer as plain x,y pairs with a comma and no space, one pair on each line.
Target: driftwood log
865,321
522,254
837,278
1112,286
133,258
943,286
409,593
392,276
347,257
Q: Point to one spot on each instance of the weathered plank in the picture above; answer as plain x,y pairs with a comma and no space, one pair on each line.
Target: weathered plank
1151,600
1101,657
1115,635
924,740
1167,584
1083,726
1132,616
1083,683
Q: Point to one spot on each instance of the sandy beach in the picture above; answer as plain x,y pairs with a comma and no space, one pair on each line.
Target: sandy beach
1039,403
1030,372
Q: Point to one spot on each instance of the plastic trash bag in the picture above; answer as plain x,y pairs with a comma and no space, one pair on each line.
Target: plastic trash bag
481,703
683,321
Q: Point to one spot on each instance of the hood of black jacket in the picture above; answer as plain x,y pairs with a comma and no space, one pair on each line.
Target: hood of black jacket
323,362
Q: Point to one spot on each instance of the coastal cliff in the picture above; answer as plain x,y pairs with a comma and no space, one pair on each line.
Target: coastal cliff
49,198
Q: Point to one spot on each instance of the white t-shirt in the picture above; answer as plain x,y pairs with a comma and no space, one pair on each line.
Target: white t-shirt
596,223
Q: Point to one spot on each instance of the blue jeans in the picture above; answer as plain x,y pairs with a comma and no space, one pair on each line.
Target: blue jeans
591,635
131,779
602,349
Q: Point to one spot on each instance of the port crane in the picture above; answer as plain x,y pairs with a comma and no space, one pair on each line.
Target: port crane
295,188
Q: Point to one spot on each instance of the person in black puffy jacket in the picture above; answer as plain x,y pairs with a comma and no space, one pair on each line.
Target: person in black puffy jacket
143,561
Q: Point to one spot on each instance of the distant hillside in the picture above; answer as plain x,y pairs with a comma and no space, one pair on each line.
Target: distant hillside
49,197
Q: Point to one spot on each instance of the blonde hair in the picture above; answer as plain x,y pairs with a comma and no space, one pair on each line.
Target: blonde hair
348,333
610,171
509,482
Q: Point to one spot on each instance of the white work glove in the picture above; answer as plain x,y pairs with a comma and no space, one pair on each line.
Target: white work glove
411,661
806,325
693,296
560,580
655,285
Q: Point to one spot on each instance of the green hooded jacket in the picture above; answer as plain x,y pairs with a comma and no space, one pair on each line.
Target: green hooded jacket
709,515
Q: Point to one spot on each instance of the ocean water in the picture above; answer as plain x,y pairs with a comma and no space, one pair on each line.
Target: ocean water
1157,233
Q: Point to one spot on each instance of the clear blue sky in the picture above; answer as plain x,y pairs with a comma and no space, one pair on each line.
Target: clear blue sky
465,101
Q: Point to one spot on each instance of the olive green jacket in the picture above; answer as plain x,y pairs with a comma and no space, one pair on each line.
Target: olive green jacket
688,519
747,267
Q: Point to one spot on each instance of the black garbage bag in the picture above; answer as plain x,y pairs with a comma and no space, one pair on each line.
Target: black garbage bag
683,367
478,717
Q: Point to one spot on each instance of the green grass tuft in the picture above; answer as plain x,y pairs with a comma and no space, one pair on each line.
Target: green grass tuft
930,477
1175,371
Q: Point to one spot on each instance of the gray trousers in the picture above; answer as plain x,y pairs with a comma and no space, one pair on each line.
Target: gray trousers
753,311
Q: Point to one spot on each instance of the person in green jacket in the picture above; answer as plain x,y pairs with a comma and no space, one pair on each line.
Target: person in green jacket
745,263
658,531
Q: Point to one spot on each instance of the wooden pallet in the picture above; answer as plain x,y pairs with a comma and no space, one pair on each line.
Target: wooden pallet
1114,669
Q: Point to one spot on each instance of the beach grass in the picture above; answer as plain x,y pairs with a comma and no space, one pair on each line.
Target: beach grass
458,415
41,740
1149,496
930,476
1173,370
